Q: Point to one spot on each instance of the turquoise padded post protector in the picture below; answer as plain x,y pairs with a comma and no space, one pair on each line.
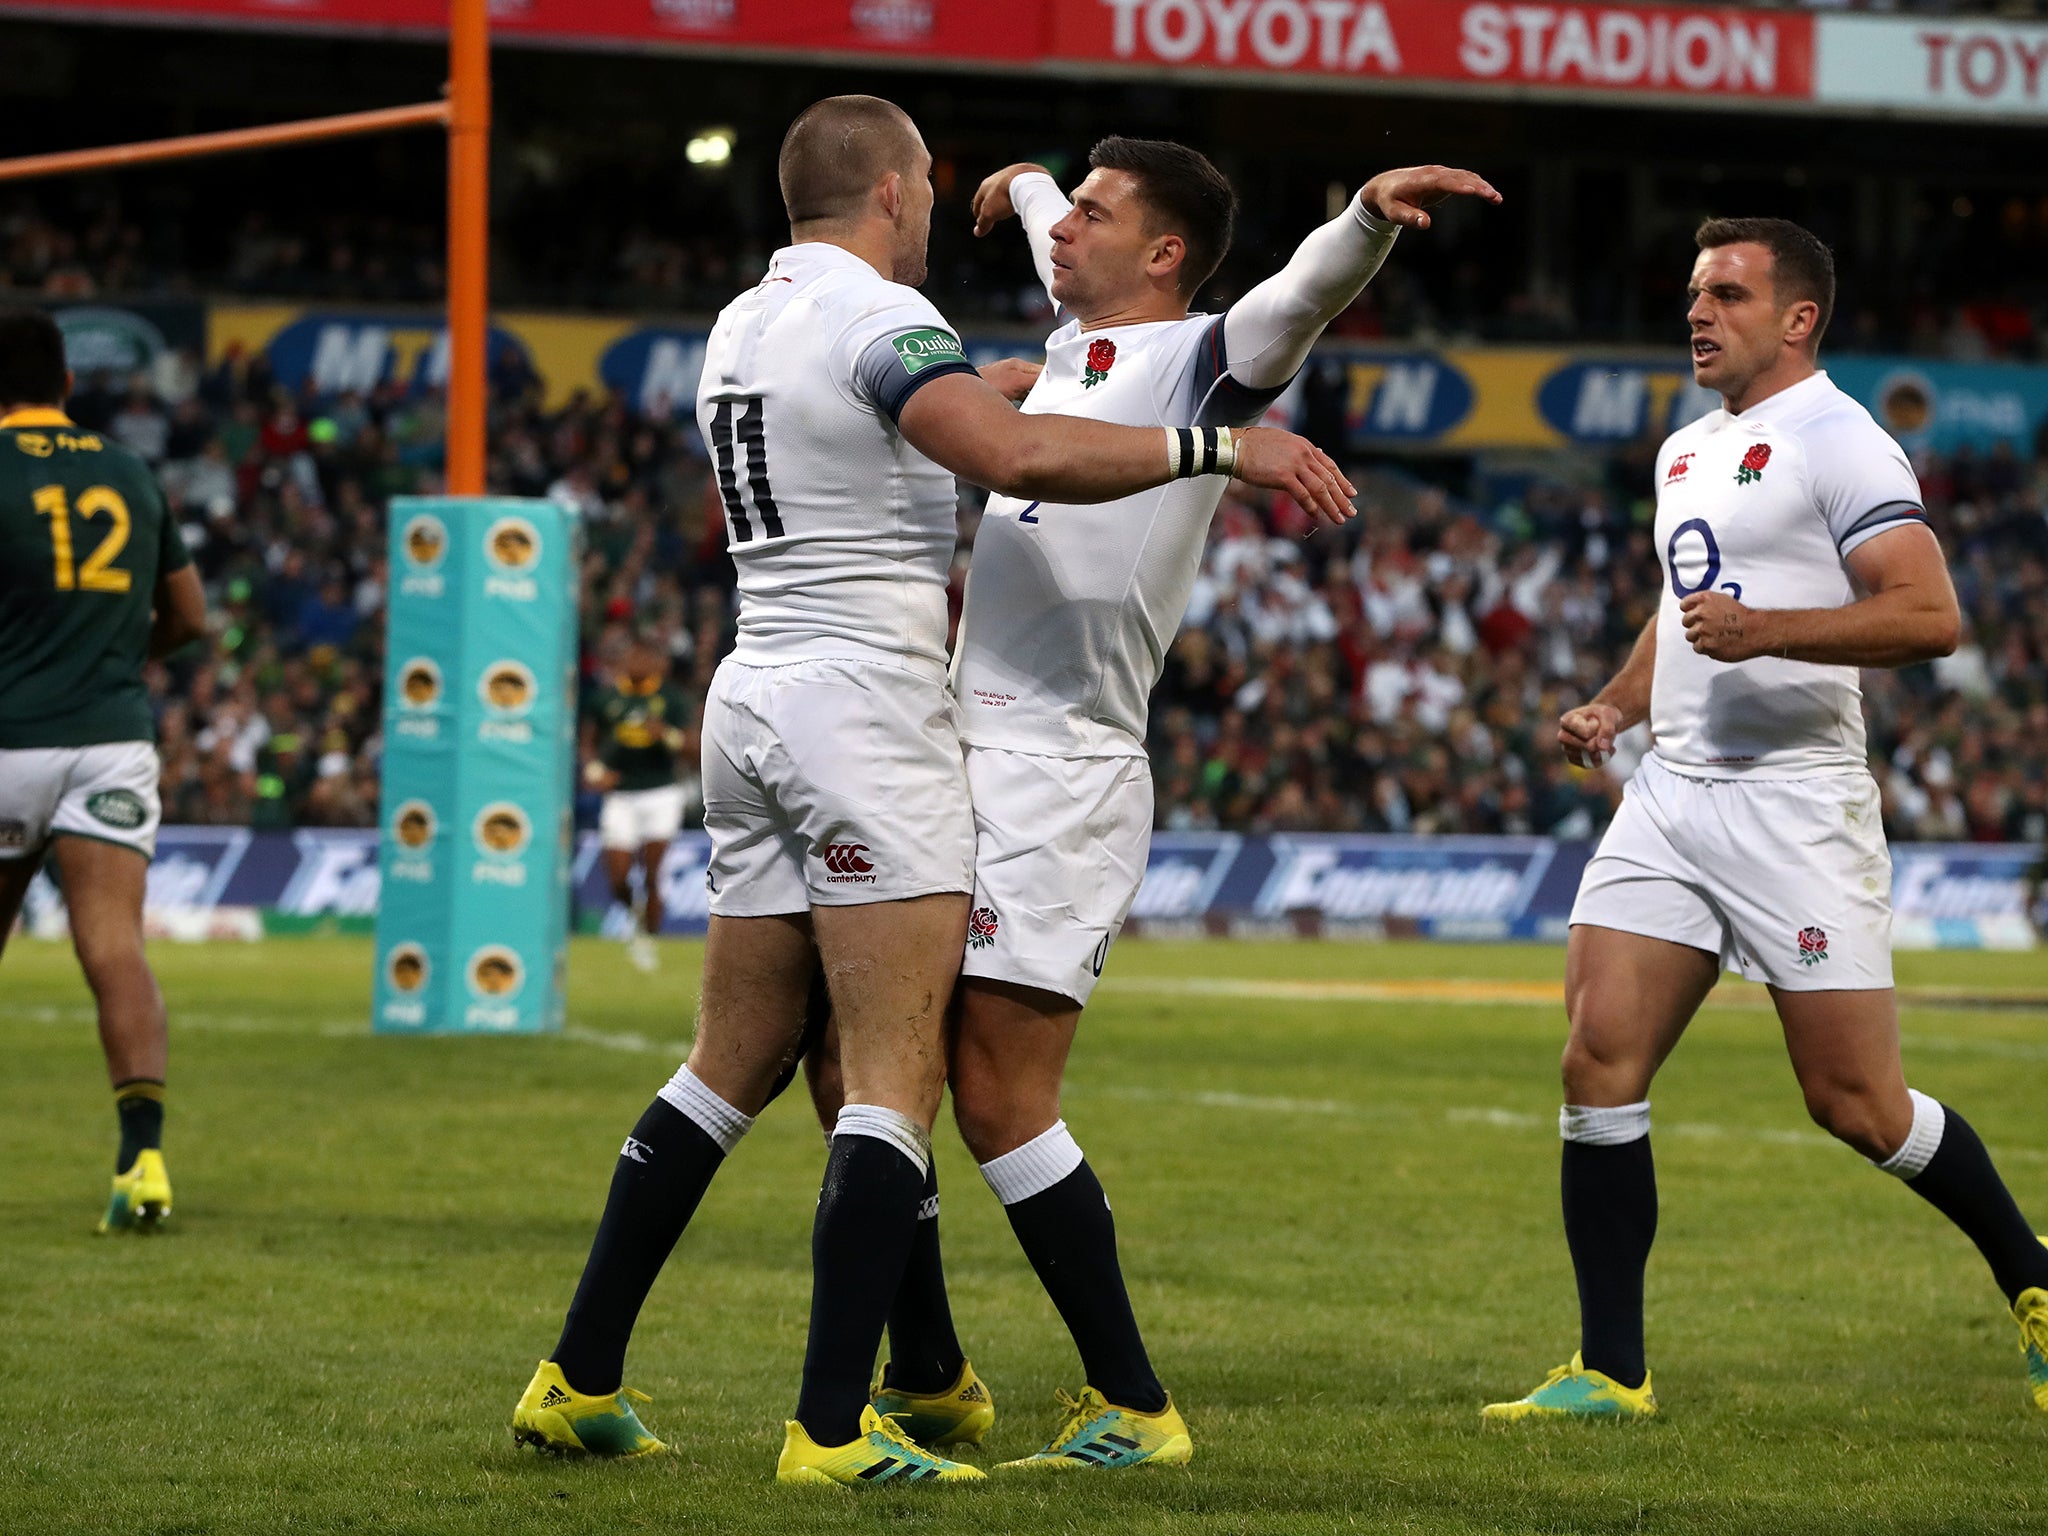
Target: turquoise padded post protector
479,766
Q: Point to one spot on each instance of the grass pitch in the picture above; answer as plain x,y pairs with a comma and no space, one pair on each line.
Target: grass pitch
1334,1170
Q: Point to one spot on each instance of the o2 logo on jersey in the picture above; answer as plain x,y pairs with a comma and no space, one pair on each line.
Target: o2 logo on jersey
1693,552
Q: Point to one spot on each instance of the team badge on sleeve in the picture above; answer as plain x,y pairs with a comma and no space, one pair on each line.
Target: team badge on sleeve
982,923
1753,462
1813,944
1101,354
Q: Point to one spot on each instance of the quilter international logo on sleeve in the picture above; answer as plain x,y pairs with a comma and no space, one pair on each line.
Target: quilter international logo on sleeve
921,349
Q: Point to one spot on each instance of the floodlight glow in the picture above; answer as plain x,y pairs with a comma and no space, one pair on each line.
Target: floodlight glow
711,147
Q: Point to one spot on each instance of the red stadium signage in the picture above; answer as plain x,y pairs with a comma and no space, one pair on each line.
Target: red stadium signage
998,31
1664,50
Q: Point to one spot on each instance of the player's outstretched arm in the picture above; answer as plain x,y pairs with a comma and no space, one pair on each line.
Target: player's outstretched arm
180,616
1910,615
961,422
1029,192
1267,333
1587,733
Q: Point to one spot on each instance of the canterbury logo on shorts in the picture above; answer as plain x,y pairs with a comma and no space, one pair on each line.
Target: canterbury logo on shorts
845,865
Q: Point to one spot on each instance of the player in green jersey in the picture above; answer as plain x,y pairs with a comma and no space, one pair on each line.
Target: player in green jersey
94,581
634,727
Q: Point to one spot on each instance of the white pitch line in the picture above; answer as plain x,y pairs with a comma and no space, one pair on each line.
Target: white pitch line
1493,1117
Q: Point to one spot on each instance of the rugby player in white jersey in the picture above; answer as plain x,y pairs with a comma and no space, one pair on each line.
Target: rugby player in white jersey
1069,613
838,406
1795,551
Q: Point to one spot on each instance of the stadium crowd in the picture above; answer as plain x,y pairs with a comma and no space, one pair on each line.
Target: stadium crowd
1403,675
1965,303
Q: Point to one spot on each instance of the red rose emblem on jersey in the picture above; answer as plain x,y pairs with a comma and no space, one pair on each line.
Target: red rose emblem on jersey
982,923
1101,354
1813,946
1753,463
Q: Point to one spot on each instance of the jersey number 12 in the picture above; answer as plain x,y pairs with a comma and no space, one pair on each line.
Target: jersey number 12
98,574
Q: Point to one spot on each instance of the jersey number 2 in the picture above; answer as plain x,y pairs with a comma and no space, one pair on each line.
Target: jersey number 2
753,444
95,575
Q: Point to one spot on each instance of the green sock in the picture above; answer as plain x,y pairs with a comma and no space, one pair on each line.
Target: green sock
139,1103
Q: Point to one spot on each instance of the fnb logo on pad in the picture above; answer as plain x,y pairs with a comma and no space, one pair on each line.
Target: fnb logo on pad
846,864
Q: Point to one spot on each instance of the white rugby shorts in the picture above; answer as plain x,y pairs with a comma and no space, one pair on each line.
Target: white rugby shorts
1060,850
834,784
107,791
1789,881
631,818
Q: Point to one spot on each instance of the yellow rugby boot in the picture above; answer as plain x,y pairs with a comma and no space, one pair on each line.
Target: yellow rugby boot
2030,1310
554,1417
141,1201
1097,1434
1573,1392
962,1414
882,1454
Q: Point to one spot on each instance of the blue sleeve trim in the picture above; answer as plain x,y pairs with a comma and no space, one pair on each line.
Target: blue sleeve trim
1220,400
1878,517
880,376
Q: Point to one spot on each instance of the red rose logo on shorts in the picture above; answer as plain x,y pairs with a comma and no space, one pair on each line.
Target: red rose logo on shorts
1813,944
982,923
1753,463
1101,354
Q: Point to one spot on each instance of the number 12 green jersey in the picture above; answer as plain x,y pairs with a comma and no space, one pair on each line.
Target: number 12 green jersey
84,536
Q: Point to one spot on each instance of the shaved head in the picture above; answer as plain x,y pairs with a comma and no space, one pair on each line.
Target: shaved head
838,149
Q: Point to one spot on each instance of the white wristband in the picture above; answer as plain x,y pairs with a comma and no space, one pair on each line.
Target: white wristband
1226,451
1172,453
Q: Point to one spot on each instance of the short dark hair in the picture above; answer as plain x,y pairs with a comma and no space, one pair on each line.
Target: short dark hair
1802,267
836,150
31,358
1186,194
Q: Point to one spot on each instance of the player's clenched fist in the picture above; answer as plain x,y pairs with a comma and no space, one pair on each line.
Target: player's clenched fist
992,202
1012,376
1400,196
1587,734
1280,461
1721,629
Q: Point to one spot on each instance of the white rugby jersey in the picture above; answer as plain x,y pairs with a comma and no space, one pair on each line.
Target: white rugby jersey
1765,506
1070,609
841,531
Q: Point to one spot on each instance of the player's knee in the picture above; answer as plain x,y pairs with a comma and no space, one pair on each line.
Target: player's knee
1598,1064
113,962
1854,1115
994,1117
